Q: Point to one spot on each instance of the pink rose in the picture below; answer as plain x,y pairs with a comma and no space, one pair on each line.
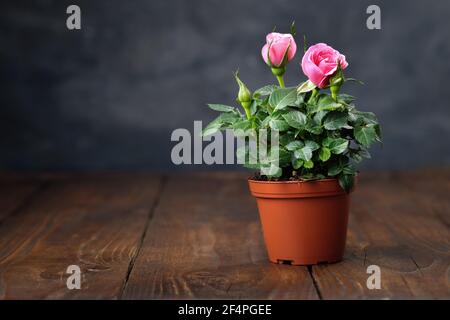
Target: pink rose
276,46
320,62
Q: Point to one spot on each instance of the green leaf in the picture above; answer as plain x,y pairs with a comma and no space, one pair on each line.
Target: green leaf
281,98
285,158
295,119
229,117
327,141
261,114
338,146
308,164
360,154
223,120
242,128
318,117
271,171
334,170
265,122
304,153
313,128
211,128
279,156
277,114
335,120
366,117
248,158
242,125
286,138
297,163
356,157
312,145
365,135
294,145
265,91
308,176
300,99
336,167
378,132
306,86
279,125
354,80
324,154
221,107
293,29
241,154
349,169
326,102
346,98
346,182
253,107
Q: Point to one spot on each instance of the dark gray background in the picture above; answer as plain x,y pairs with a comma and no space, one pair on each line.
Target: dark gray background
108,96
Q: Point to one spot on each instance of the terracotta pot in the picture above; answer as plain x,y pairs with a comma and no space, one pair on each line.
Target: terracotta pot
304,222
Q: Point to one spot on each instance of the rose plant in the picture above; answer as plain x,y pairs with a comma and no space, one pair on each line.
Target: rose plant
321,133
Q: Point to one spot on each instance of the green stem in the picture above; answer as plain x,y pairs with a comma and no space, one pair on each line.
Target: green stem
278,72
334,92
280,81
313,94
248,113
246,105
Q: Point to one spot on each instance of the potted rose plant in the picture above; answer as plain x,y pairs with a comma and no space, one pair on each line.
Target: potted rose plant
303,199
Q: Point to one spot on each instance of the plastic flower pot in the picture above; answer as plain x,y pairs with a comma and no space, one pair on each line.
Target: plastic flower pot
304,222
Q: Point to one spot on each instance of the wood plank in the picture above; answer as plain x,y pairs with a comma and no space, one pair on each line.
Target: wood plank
398,222
93,221
14,192
205,241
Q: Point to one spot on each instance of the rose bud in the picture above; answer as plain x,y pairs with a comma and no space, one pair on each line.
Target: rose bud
320,64
279,49
244,95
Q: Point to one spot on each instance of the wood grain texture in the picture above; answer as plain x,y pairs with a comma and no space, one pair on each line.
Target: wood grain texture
14,192
93,221
205,241
398,222
198,236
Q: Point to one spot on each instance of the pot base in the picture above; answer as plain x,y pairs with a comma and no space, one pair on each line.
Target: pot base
306,262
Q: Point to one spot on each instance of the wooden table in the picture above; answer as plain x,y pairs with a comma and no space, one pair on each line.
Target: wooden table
146,236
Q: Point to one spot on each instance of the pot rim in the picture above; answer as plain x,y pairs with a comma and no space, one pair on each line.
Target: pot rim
291,181
296,189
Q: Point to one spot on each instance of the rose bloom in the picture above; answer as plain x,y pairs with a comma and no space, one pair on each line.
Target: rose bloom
320,62
276,46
